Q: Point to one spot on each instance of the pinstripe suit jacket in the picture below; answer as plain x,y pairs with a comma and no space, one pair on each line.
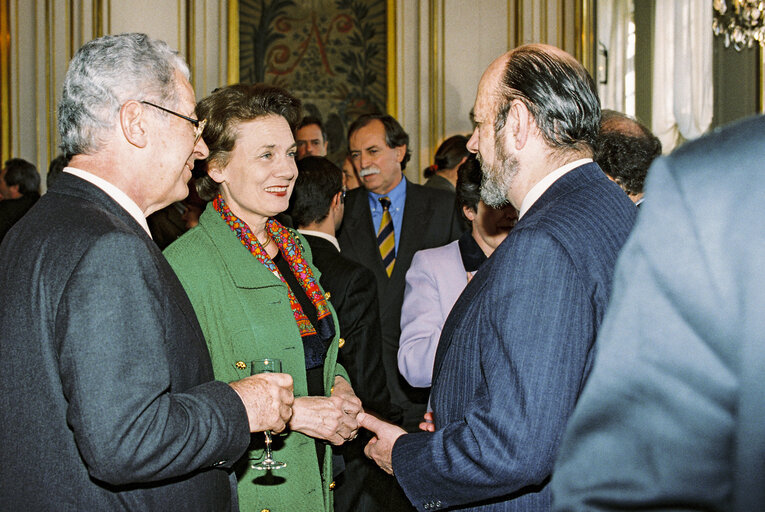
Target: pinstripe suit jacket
515,352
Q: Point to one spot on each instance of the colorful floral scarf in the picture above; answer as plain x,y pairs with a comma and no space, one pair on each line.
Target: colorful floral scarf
316,339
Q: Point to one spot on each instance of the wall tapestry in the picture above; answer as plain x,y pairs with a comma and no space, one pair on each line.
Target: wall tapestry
329,53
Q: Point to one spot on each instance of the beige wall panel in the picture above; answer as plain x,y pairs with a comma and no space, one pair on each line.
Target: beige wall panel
476,34
159,19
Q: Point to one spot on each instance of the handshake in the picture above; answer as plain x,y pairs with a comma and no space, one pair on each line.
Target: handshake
271,405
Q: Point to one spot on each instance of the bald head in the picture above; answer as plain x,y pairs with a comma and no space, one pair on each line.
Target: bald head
556,89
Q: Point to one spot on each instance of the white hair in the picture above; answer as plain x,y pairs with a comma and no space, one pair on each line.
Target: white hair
103,75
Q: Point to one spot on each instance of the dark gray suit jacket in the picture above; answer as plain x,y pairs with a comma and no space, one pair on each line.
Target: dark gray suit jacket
363,487
515,352
673,417
107,400
430,220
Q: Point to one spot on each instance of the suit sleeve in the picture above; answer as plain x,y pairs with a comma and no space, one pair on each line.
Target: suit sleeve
653,429
127,422
421,323
533,349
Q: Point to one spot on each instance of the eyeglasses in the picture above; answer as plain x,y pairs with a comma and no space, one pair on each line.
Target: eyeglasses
199,126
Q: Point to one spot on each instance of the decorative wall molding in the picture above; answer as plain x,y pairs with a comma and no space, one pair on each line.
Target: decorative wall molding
436,53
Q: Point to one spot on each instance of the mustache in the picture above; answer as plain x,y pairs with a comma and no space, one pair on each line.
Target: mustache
367,171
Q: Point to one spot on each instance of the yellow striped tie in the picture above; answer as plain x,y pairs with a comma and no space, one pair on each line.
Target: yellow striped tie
386,240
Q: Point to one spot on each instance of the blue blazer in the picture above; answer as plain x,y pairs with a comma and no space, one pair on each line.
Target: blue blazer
515,352
673,416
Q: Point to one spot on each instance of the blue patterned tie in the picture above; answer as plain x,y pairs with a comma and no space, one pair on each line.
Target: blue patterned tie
386,240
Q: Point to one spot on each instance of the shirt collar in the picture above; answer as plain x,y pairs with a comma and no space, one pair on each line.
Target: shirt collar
115,193
396,196
321,234
545,183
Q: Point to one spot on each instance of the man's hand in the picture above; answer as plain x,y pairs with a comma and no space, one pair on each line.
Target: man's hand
380,447
330,418
428,424
268,399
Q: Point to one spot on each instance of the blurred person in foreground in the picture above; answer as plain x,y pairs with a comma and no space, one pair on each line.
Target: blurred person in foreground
517,346
108,399
437,276
257,294
672,416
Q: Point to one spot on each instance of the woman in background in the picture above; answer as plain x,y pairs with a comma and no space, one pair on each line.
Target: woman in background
257,296
437,276
450,155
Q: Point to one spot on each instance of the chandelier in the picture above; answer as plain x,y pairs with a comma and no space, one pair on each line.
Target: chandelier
740,22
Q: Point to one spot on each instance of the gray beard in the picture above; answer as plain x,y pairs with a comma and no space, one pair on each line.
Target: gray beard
497,178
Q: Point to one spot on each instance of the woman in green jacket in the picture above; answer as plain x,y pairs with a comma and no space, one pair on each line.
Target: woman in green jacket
257,295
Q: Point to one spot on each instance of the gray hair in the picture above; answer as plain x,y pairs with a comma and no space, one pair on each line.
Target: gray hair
103,75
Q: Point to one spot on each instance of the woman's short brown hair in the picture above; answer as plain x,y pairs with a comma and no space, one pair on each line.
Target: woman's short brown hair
228,106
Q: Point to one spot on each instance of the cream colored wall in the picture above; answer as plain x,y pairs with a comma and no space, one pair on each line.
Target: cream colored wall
45,34
441,49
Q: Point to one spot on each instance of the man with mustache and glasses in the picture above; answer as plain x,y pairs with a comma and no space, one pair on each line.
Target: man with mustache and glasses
405,218
518,344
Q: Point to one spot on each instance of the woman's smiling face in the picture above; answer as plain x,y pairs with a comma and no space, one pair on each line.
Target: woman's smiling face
258,178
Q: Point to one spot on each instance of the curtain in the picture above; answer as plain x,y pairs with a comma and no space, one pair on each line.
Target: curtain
682,74
614,17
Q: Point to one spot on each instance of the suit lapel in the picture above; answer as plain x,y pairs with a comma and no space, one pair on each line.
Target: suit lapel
359,233
417,217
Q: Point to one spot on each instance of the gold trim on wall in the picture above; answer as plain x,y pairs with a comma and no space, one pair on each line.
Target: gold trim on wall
233,42
204,47
15,64
191,49
5,80
433,55
98,18
50,75
514,20
391,60
584,23
543,23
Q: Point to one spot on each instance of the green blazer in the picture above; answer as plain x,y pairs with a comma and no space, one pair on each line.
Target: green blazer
245,315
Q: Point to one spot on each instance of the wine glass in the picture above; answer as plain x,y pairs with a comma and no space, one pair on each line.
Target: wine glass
267,366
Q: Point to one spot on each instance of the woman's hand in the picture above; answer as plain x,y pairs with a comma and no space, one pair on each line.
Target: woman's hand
330,418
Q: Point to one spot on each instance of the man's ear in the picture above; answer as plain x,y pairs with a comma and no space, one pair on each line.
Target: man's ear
520,122
400,153
469,213
336,200
133,124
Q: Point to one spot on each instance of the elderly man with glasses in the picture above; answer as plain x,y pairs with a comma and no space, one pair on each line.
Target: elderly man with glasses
109,400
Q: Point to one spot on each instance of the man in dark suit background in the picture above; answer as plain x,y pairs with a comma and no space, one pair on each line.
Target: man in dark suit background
421,218
317,208
673,416
108,400
19,191
518,344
